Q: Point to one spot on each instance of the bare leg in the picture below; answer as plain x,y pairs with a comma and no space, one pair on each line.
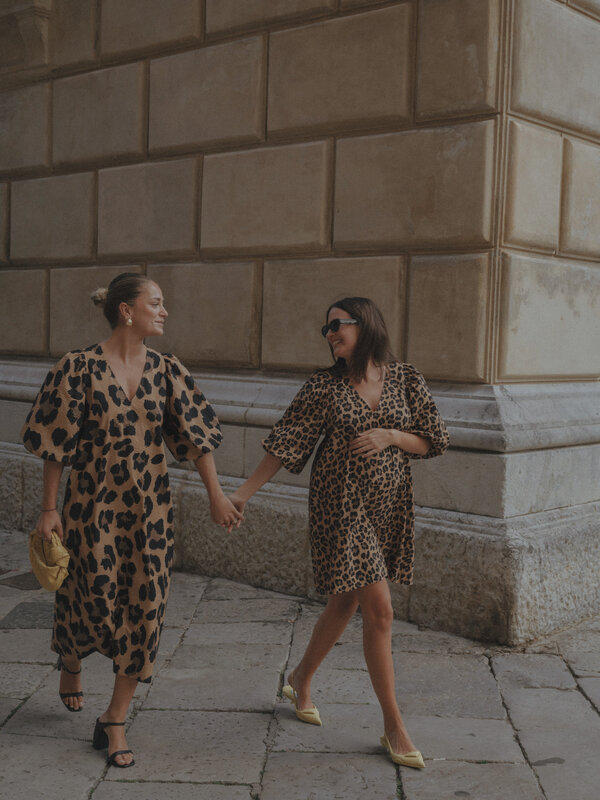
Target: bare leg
377,613
329,627
123,692
71,683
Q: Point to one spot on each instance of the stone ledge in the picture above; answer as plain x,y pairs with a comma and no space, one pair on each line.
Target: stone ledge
503,419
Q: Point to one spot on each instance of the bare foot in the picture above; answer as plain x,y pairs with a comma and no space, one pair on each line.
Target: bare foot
302,691
117,741
399,740
70,683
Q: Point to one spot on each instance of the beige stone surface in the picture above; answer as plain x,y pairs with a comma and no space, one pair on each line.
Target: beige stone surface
457,57
99,115
23,317
53,218
549,319
12,417
231,15
140,25
75,321
350,72
421,188
73,38
25,128
24,33
3,222
592,6
559,84
208,96
344,4
580,224
229,457
148,208
533,186
311,285
448,315
214,312
267,200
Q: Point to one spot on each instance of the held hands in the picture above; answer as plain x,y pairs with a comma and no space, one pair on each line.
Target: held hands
224,513
371,442
49,521
238,501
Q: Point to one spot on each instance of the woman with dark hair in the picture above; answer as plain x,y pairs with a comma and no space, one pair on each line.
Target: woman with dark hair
105,411
374,414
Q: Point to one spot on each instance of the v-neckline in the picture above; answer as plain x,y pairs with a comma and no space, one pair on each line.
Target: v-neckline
366,402
118,382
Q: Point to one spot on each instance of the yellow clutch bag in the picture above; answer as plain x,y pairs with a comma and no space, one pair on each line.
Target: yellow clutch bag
49,560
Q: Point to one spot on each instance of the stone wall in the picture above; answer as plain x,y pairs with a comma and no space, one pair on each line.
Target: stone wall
261,159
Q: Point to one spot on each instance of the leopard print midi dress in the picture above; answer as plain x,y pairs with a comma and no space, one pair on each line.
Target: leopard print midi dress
361,510
117,512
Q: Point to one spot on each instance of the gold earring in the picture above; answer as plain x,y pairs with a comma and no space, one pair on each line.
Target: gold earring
129,322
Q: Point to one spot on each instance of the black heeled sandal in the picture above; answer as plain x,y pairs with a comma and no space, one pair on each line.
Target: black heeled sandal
100,741
60,665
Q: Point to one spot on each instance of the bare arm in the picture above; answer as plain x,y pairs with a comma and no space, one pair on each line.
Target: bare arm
222,510
49,518
267,468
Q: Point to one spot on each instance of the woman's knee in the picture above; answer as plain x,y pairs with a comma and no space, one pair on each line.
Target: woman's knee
344,604
377,610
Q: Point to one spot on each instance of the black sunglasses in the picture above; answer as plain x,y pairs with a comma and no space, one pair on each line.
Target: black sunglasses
334,325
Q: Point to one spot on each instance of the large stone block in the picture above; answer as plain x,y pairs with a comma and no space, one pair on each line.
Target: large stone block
99,115
580,223
232,15
73,39
3,222
549,319
457,57
53,218
208,96
25,128
148,208
421,188
24,37
74,320
267,200
533,186
591,6
141,25
221,301
559,84
350,72
23,316
448,316
312,285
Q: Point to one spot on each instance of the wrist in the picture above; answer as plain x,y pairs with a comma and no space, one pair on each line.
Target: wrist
45,510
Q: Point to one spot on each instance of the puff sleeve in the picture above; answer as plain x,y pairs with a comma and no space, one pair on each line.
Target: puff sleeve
54,422
190,426
294,436
425,418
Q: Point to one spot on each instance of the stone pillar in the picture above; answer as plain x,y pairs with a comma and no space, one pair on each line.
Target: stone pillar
260,160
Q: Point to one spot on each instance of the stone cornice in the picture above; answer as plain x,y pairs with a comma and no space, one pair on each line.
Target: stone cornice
503,418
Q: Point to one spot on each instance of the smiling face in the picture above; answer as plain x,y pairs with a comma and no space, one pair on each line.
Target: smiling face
148,312
343,341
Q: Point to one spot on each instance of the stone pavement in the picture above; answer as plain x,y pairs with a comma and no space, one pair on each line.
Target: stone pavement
493,723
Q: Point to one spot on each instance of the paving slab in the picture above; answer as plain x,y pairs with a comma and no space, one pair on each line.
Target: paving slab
416,641
207,689
209,633
560,733
328,776
246,610
8,601
211,746
584,665
346,729
144,790
21,680
25,581
7,706
343,655
469,739
222,589
448,780
534,671
451,686
230,656
47,769
30,614
26,646
342,686
591,689
185,592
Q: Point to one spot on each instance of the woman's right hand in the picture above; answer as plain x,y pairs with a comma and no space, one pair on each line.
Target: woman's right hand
49,521
237,501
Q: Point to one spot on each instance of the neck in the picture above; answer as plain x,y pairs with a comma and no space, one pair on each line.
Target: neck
125,344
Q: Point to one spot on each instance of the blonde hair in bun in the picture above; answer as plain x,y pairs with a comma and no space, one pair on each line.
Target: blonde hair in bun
99,296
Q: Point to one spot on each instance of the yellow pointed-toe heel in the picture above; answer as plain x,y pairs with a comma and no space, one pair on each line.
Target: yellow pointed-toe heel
310,715
411,759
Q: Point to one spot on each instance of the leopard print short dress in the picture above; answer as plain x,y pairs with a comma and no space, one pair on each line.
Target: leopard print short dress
117,512
361,510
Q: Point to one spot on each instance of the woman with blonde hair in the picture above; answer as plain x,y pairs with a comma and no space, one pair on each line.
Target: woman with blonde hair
374,413
105,411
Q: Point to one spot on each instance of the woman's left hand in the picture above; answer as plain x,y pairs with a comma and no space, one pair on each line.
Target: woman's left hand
371,442
224,513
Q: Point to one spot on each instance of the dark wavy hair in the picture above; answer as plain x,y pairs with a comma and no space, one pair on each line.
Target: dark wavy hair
122,289
373,343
